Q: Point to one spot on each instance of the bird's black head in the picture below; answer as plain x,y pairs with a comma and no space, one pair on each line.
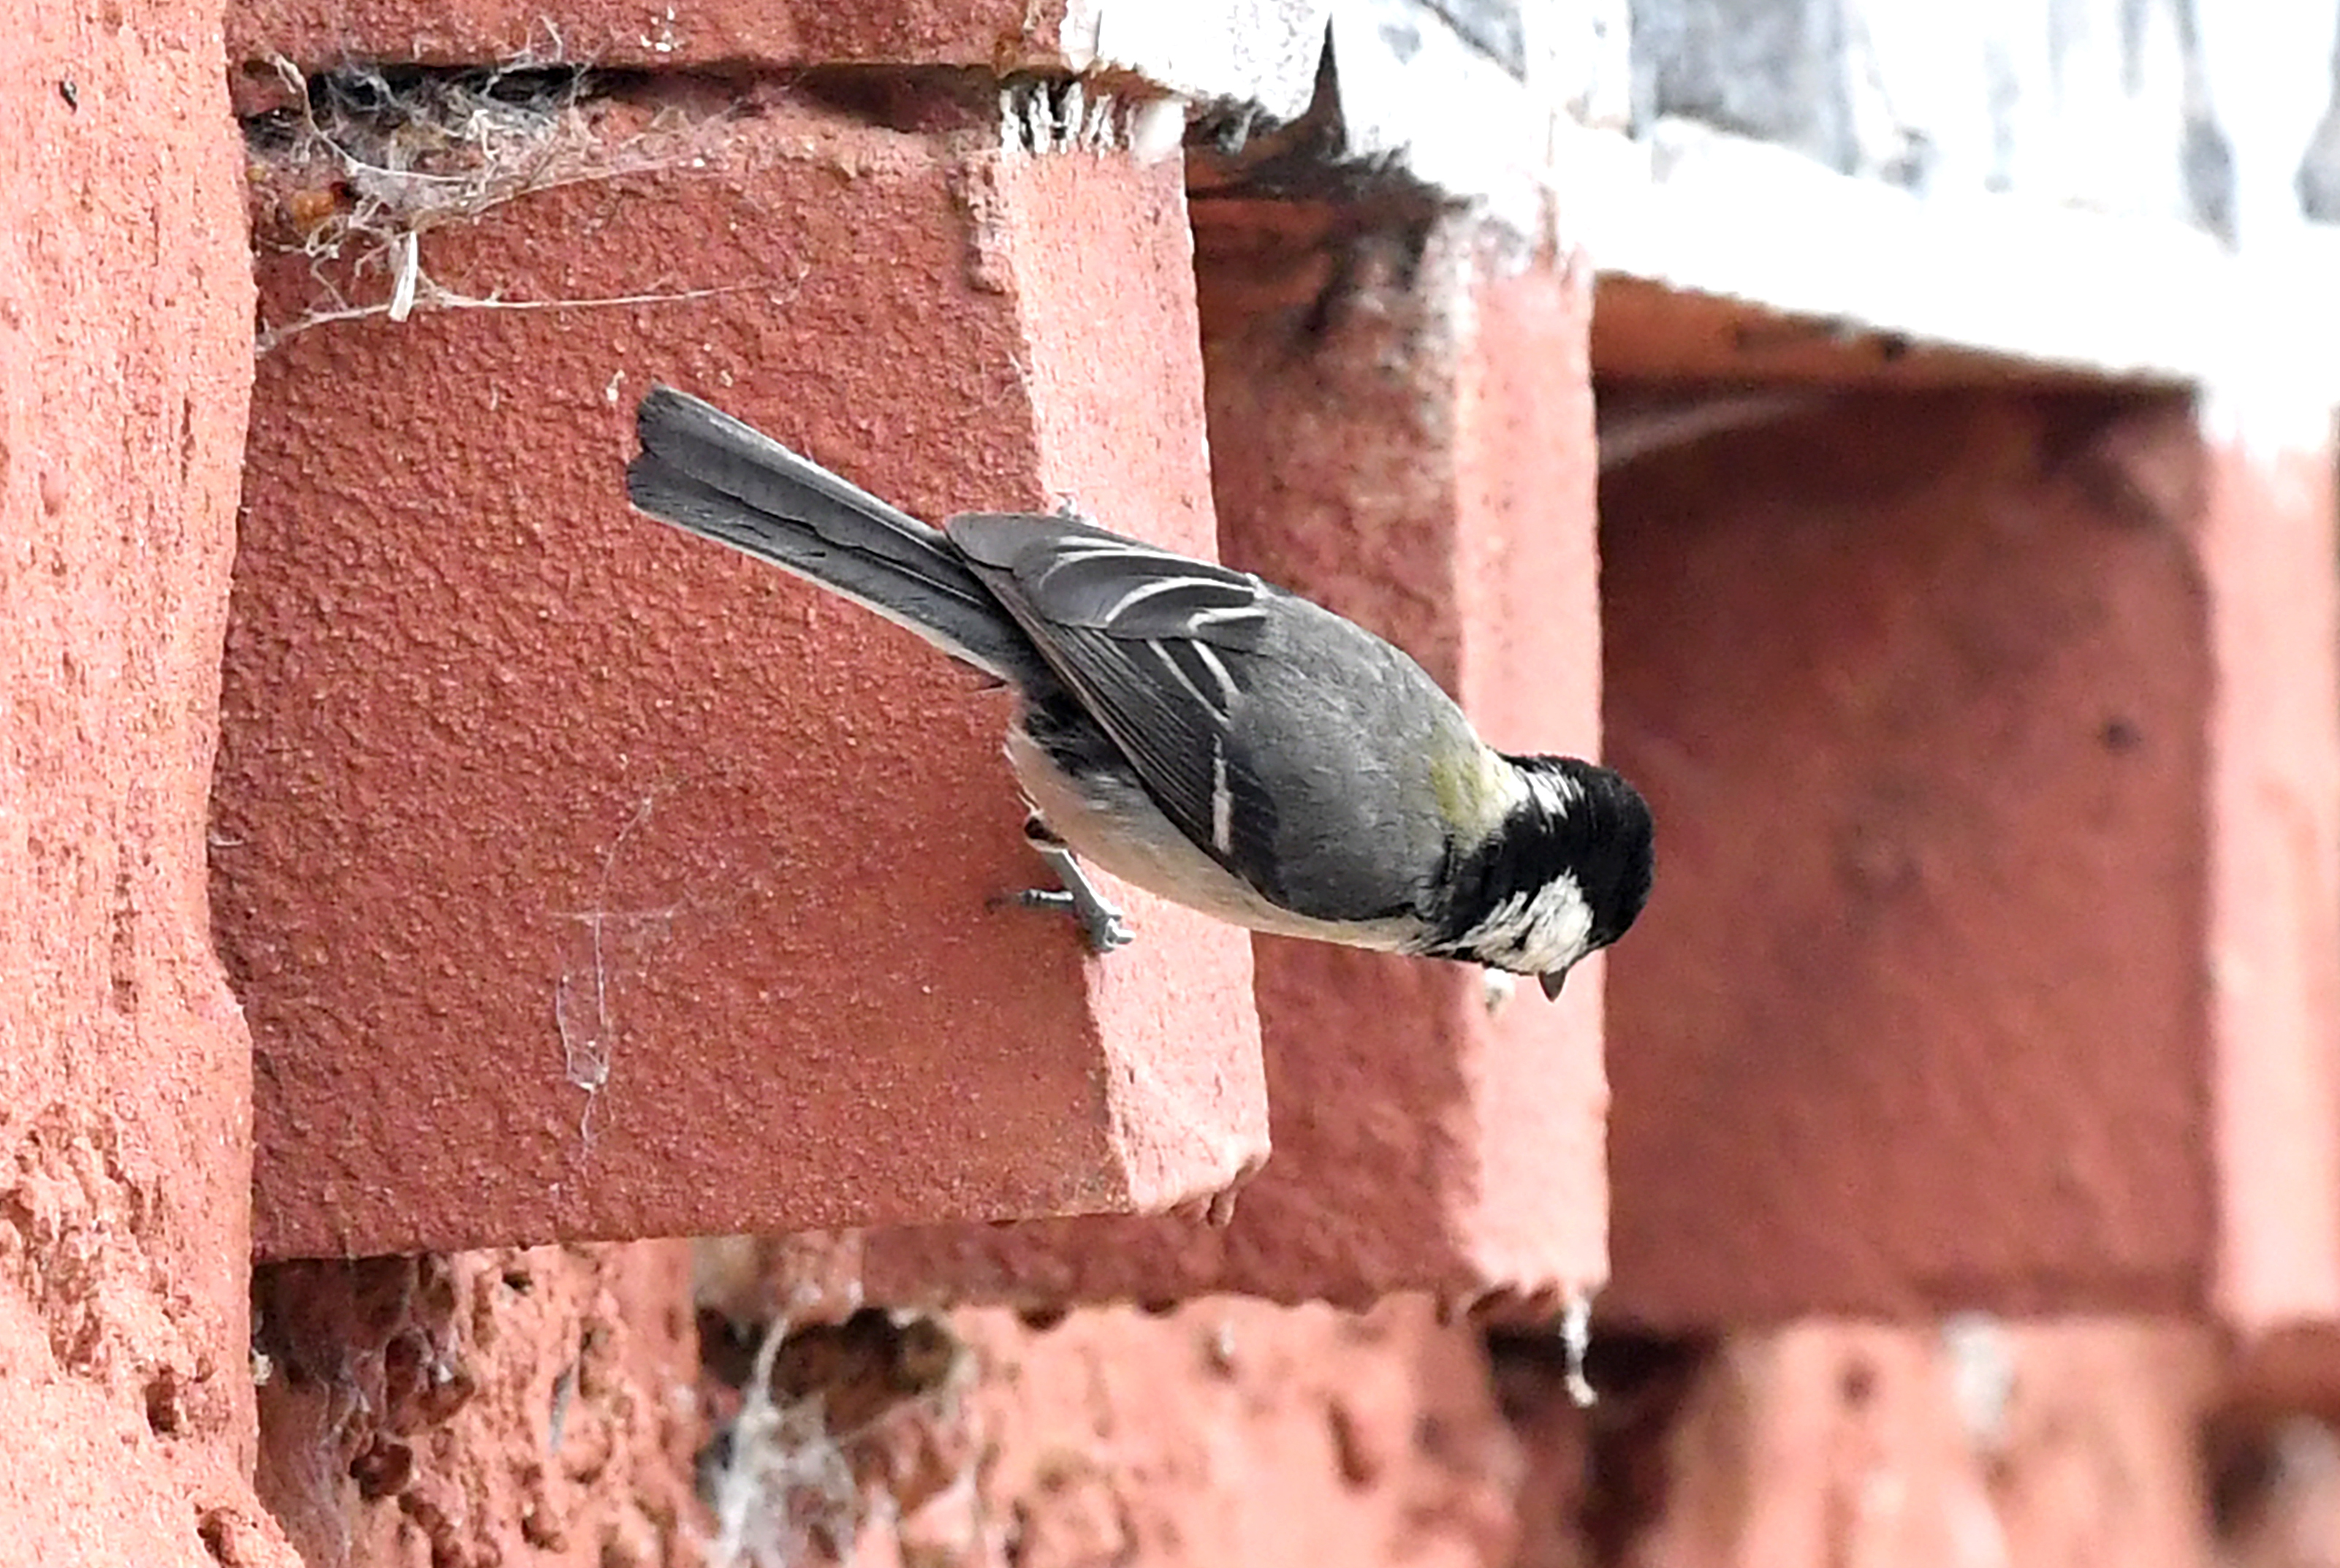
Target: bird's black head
1609,840
1565,876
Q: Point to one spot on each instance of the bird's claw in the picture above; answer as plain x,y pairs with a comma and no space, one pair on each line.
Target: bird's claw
1103,926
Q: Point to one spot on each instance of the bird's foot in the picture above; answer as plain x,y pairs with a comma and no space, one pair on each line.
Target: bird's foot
1104,926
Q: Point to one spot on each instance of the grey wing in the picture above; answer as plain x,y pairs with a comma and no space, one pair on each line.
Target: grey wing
1180,661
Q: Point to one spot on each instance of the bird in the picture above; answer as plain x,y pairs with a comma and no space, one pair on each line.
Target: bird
1197,732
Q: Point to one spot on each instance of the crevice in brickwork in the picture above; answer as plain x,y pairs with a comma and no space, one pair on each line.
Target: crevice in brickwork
1598,1476
914,101
2270,1473
354,170
805,1447
378,1336
470,133
374,154
349,169
1234,155
468,1400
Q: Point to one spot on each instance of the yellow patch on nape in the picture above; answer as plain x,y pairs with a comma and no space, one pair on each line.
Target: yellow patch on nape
1475,792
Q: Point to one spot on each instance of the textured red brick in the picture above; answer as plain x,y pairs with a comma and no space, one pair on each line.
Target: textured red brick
124,1069
1961,715
1228,1432
993,35
1407,437
2072,1442
2266,538
585,880
491,1406
1649,331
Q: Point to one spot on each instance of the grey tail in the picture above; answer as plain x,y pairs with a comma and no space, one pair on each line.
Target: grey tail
704,472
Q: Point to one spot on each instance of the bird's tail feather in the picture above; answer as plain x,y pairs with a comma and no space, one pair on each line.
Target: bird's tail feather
704,472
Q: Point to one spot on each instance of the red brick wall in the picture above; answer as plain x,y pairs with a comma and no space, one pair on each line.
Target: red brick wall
125,1064
1942,1146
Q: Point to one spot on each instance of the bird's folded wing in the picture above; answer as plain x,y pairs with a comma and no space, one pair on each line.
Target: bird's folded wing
1157,647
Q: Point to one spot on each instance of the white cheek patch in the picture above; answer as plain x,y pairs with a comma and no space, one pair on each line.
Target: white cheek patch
1548,930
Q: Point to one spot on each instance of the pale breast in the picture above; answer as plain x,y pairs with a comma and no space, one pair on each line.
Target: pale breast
1114,827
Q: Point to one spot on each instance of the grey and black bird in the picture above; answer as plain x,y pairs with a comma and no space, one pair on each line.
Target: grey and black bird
1193,729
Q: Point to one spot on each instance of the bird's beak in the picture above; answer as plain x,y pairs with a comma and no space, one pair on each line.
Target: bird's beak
1553,980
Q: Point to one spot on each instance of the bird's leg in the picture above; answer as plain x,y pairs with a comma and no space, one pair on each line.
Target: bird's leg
1105,926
